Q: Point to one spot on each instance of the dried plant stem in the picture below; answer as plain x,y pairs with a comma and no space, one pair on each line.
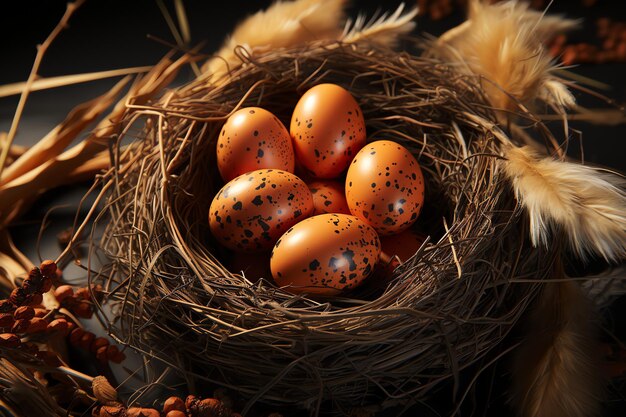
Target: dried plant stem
62,135
41,50
8,90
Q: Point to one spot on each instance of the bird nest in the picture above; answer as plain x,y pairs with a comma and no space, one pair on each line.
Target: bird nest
393,339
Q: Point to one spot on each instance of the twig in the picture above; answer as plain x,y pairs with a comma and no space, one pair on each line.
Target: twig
8,90
41,50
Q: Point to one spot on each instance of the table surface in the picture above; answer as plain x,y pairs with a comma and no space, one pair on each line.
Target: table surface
112,34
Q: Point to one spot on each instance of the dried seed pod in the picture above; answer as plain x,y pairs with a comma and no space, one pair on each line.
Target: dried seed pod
30,287
63,292
34,275
190,401
18,296
82,309
142,412
86,340
103,390
173,404
48,269
46,285
98,343
112,350
37,325
70,326
58,277
176,413
48,357
9,340
112,411
101,354
58,326
76,335
6,306
35,300
6,320
209,407
20,326
82,293
119,357
24,312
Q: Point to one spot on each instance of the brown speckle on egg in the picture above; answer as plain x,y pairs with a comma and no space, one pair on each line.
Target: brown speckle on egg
325,254
332,132
253,138
252,211
394,204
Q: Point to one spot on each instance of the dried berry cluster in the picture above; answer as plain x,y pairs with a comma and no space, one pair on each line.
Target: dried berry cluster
173,407
610,45
22,315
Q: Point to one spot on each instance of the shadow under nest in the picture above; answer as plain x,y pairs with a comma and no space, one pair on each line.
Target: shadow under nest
443,310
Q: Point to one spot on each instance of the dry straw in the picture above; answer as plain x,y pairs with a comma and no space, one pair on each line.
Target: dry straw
393,340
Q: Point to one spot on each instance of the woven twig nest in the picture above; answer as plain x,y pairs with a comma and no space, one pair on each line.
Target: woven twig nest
394,339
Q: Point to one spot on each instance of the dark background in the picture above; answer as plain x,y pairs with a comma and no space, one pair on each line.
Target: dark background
110,34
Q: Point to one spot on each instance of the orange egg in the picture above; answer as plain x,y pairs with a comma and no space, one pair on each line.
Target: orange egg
252,211
325,254
253,138
328,129
403,245
328,197
385,187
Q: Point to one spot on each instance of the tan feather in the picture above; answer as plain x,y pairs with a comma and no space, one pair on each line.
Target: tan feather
384,30
587,204
283,24
555,370
503,43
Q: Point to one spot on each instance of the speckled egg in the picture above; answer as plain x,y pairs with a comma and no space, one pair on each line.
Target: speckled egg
252,211
385,187
253,138
325,254
403,245
328,129
328,197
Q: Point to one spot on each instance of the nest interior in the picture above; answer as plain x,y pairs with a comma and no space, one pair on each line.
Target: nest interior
442,311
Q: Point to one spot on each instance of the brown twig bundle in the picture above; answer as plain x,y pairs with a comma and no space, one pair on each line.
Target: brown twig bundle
395,340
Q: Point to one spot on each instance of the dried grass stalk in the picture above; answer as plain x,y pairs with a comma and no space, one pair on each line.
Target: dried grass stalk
175,299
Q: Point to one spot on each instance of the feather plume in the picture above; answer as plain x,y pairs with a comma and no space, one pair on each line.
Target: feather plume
283,24
384,29
503,43
587,204
555,371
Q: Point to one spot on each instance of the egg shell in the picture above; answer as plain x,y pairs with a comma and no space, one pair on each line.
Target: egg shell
403,245
328,197
253,138
385,187
252,211
328,129
325,254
